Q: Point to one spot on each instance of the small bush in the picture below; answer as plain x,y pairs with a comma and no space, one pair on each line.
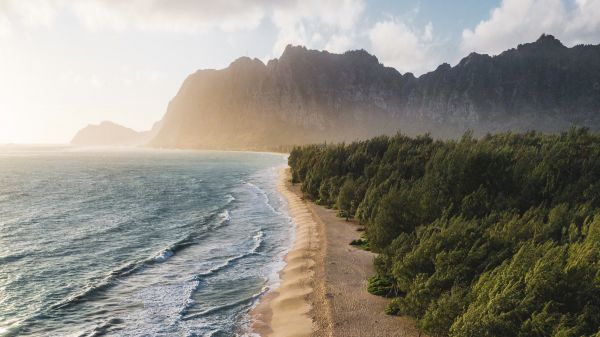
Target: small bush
361,243
380,286
393,307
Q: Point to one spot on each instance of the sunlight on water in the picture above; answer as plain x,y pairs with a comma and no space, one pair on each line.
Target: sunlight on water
137,243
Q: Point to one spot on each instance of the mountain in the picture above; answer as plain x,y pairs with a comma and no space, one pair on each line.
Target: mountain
112,134
313,96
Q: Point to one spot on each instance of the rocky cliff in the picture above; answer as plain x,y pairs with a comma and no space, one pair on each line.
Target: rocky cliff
314,96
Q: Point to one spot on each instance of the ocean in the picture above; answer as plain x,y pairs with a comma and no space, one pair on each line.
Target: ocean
137,242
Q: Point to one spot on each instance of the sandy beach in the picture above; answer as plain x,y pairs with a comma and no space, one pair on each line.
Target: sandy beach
287,310
323,286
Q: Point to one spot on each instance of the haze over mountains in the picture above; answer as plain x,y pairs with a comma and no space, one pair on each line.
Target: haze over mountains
111,134
310,96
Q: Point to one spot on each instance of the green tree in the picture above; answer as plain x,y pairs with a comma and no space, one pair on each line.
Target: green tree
397,213
345,200
490,236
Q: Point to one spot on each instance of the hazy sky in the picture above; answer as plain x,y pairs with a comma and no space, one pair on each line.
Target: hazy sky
68,63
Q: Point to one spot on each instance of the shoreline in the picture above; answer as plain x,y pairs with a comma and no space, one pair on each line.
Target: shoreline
288,310
323,286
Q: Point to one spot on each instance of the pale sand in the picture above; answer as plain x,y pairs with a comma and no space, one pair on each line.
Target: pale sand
287,310
323,287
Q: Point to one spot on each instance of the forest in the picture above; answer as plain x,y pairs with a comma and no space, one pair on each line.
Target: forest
492,236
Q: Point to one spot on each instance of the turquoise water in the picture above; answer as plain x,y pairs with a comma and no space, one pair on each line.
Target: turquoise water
136,243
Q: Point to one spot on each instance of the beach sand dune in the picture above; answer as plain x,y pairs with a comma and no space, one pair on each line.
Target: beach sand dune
323,286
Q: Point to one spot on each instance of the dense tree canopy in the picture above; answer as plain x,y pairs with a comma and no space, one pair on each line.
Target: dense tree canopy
498,236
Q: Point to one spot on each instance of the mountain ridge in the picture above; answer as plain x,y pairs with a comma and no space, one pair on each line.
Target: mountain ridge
314,96
308,96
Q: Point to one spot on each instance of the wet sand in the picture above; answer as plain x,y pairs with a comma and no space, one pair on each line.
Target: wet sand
287,311
323,287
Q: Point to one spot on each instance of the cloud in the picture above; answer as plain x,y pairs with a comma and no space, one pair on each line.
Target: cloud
153,15
341,14
404,47
519,21
584,26
314,23
166,15
334,21
339,43
34,13
188,15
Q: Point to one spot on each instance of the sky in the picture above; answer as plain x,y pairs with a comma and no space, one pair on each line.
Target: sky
65,64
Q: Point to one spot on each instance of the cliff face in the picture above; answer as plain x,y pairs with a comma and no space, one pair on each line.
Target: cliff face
313,96
304,96
542,85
